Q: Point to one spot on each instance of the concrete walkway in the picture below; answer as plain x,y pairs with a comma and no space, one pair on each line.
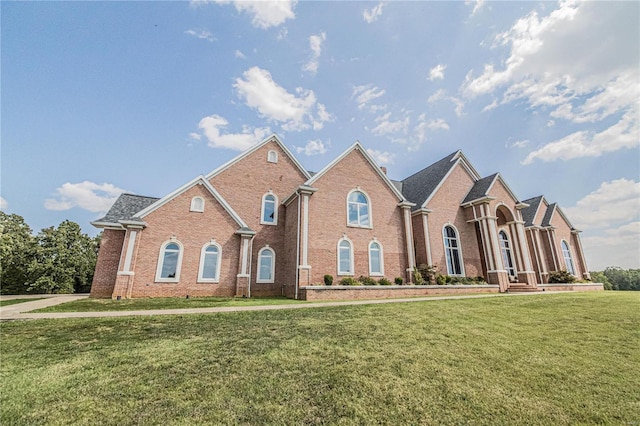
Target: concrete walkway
20,311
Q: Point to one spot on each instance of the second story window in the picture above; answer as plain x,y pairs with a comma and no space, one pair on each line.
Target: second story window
358,211
269,214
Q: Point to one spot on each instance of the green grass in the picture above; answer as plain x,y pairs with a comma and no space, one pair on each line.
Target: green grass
101,305
543,359
16,301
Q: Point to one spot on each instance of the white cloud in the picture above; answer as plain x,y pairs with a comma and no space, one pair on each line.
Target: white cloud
239,55
386,126
618,247
437,72
94,197
313,147
265,14
623,134
201,34
579,63
3,203
315,44
382,158
282,34
273,102
441,95
477,5
195,136
213,125
519,144
613,202
365,94
438,124
373,14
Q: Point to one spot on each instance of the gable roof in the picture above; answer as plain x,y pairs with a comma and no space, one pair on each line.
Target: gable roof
482,188
357,147
529,213
124,209
546,220
200,180
421,186
254,148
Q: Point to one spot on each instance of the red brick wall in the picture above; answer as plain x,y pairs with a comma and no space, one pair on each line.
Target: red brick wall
446,209
328,221
289,255
242,185
330,293
563,232
193,230
418,239
104,278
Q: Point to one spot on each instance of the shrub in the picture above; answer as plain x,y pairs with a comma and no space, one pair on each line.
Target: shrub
328,279
480,280
367,280
428,273
398,280
349,281
561,277
440,279
384,281
417,277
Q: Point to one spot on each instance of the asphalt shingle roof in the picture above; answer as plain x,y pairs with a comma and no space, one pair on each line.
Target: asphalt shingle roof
546,221
529,213
480,188
419,186
126,207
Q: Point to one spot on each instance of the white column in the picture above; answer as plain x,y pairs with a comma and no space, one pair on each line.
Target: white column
427,241
516,247
305,229
129,254
493,234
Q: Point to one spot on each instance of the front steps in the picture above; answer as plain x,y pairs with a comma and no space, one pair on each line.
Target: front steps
521,288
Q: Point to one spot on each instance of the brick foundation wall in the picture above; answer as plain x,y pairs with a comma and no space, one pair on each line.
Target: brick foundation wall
388,292
572,287
104,278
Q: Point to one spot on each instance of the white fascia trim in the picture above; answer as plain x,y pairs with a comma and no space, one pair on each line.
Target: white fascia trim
480,200
509,190
302,189
566,219
357,146
133,224
107,225
198,180
272,137
467,165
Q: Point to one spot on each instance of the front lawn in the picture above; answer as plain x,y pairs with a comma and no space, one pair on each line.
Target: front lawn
101,305
570,358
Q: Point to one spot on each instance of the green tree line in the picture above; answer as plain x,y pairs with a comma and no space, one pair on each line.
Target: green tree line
56,260
615,278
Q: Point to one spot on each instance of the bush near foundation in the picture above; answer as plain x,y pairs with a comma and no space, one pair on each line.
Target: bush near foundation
561,277
328,279
398,280
349,281
367,280
384,281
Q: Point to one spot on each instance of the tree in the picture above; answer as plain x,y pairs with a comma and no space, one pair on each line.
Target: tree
623,279
600,277
65,260
17,252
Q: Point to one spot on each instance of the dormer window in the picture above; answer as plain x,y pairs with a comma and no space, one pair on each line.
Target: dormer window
272,157
197,204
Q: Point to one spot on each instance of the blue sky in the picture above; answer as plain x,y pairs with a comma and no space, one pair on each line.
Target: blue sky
104,97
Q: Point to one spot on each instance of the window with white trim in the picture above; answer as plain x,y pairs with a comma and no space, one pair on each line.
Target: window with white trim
169,262
197,204
272,157
345,257
269,213
568,260
358,209
210,258
266,265
505,250
376,262
452,250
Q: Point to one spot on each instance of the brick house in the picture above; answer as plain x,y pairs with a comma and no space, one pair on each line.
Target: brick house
262,225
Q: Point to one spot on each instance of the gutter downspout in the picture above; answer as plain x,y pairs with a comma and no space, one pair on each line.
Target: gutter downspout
250,263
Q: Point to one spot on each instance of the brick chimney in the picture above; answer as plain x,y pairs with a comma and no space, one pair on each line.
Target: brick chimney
384,169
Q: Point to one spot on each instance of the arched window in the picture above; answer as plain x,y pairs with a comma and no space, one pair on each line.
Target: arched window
169,262
376,262
272,157
566,252
358,211
452,251
266,265
197,204
505,249
210,258
269,214
345,257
